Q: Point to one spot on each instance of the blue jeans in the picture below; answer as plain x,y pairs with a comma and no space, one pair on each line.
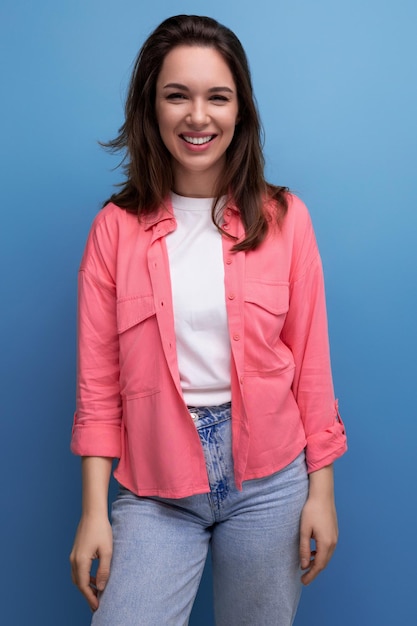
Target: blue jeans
160,544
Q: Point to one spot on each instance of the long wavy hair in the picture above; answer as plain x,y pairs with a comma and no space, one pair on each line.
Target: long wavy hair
147,162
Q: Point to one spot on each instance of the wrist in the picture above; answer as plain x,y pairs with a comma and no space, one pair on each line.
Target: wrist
96,475
321,483
95,512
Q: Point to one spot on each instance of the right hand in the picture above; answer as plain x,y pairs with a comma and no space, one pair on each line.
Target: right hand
93,540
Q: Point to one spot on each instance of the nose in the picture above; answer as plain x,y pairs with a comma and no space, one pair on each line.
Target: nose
198,114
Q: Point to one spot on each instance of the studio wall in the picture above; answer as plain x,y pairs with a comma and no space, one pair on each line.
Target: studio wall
337,91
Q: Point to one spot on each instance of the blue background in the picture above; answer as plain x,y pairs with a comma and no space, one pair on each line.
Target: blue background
336,85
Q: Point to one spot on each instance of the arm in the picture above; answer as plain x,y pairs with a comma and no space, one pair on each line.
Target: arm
326,441
318,522
93,539
97,422
305,332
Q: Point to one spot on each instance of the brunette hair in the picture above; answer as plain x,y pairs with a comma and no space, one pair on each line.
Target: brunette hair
147,162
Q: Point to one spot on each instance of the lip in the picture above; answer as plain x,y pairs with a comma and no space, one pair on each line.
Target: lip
197,147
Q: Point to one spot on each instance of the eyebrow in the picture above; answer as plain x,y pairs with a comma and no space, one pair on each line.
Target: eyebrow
185,88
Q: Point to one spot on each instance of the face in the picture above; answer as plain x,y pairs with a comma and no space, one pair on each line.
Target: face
197,110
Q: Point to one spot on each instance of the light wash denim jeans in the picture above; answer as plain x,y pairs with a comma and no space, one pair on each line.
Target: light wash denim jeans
160,545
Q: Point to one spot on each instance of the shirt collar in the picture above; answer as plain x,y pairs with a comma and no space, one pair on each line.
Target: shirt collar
166,212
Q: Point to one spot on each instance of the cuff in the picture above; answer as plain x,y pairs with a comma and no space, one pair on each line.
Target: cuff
327,445
97,440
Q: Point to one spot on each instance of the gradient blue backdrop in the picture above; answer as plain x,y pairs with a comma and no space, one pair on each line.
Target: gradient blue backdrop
337,89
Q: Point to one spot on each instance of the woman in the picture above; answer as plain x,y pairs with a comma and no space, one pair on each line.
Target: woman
203,357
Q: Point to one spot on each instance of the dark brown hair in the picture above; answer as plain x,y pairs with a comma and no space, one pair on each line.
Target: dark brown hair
147,162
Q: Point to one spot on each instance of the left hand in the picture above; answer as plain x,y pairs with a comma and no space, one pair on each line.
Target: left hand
318,522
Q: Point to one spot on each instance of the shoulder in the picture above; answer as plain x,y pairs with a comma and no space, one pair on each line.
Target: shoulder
111,223
298,214
306,252
296,235
109,227
294,223
111,218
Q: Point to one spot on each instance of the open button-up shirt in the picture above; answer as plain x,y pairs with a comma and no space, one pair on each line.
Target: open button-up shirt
129,399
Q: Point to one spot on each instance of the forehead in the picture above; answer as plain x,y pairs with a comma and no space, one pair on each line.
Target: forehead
195,64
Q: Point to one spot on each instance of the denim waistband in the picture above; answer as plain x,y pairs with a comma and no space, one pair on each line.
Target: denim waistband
206,415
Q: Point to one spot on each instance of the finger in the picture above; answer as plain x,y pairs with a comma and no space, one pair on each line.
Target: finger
82,579
103,570
305,550
90,595
319,561
310,574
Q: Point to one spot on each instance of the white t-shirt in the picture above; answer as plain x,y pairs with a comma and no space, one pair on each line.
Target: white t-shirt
197,280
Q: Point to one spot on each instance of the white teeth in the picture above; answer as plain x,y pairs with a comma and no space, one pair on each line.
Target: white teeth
197,141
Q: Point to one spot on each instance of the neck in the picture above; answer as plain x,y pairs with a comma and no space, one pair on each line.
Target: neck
195,184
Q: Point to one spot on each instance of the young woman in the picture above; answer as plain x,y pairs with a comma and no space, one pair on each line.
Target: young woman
203,358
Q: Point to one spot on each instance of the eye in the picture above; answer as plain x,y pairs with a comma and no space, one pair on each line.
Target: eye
176,96
219,98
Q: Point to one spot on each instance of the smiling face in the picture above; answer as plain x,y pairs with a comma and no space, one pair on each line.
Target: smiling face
197,110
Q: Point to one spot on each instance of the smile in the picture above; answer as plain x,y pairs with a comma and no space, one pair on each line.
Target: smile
197,141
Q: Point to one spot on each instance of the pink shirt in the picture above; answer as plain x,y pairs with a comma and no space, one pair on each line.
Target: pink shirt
129,399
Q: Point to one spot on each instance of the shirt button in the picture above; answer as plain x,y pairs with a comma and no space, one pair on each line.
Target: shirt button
241,380
231,296
236,337
229,261
226,226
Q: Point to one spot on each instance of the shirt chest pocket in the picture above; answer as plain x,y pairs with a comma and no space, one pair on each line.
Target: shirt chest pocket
266,306
139,345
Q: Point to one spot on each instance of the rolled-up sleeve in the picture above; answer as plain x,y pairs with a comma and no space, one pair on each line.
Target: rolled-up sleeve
306,334
97,420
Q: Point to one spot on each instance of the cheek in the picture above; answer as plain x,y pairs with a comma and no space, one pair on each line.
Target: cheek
230,126
165,131
164,117
231,121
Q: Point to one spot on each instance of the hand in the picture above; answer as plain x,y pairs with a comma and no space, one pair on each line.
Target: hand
318,523
93,540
